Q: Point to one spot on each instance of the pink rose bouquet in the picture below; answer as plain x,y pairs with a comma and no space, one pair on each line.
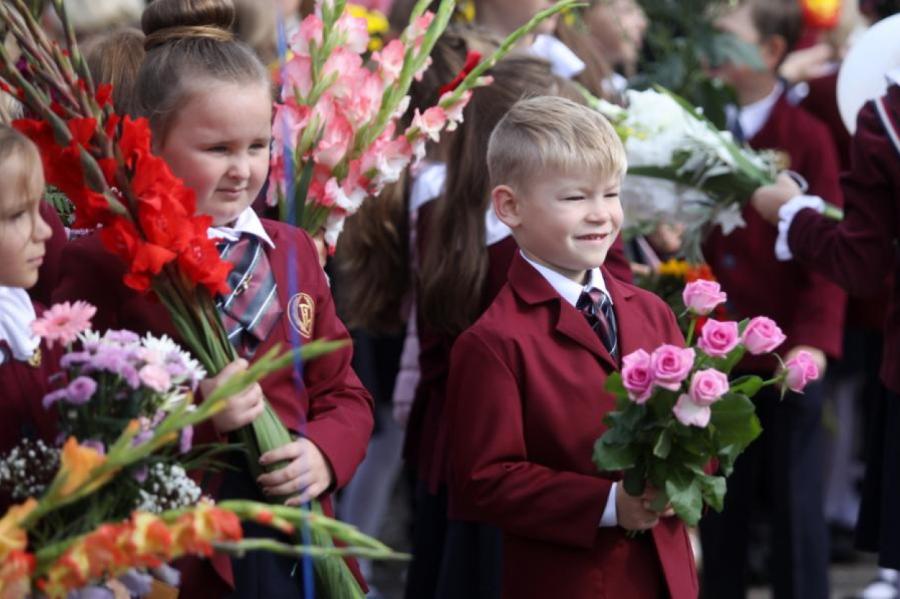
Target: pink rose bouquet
678,415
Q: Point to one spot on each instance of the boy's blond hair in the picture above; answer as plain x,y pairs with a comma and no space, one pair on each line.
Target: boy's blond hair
552,132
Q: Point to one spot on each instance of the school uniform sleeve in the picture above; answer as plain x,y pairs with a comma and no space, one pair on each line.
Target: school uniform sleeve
89,273
858,252
341,415
492,477
821,305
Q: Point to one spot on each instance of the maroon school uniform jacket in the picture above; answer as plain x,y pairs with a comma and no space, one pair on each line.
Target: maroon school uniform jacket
424,446
860,251
807,307
526,401
331,407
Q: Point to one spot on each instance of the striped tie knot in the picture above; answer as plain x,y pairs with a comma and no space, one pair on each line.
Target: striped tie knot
251,308
597,309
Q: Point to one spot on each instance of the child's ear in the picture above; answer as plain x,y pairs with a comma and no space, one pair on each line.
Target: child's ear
506,205
773,50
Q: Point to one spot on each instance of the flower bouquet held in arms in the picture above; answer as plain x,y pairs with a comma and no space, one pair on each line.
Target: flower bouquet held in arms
681,168
336,128
668,282
678,414
79,525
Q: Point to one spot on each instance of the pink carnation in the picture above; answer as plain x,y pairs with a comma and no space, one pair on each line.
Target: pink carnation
701,297
717,339
636,376
63,322
801,370
762,336
670,365
708,386
690,413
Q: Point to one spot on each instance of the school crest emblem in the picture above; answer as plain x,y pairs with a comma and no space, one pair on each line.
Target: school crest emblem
302,314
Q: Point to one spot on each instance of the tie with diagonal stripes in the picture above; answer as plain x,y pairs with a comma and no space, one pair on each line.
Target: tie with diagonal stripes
251,308
597,309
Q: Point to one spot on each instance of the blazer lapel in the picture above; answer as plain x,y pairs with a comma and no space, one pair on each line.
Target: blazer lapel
279,267
628,323
532,288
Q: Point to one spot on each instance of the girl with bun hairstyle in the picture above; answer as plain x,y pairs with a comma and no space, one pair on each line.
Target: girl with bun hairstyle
208,100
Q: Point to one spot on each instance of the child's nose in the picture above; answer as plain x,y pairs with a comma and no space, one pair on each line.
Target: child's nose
239,167
42,231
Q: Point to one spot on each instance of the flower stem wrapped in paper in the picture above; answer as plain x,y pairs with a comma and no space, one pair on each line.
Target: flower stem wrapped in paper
681,168
336,128
677,413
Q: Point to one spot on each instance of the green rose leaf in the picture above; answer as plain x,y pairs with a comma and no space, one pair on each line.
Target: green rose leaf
663,444
748,385
683,489
713,491
613,456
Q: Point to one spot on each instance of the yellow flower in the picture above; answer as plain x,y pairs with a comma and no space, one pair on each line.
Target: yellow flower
465,11
76,465
674,268
12,537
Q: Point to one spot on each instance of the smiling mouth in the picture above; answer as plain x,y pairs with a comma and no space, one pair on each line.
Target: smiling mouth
592,237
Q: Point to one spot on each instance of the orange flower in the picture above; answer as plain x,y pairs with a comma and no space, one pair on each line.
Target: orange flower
104,548
195,532
151,541
12,537
76,465
15,575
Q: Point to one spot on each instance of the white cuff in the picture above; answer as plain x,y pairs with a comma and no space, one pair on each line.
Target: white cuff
786,216
610,517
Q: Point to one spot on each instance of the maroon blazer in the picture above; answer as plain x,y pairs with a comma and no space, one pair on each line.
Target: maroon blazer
525,401
424,447
861,251
808,308
330,407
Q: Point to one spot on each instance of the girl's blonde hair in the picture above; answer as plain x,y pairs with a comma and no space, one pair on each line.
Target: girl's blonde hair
189,43
12,144
115,58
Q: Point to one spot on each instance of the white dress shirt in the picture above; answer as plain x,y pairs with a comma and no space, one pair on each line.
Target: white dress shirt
246,222
571,291
16,316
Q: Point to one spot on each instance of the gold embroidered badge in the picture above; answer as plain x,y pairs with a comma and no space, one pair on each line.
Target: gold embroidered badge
35,360
302,314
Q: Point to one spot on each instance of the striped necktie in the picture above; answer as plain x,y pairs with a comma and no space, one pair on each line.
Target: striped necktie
598,310
251,308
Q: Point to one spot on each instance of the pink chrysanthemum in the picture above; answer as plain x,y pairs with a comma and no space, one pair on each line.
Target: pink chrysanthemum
63,322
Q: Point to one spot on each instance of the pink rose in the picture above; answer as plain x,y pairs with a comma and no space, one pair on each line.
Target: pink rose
717,339
762,336
690,413
708,386
801,369
670,365
636,376
701,297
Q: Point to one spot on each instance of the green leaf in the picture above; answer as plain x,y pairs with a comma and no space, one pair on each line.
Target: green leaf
614,385
734,421
634,481
713,490
663,444
748,385
611,457
684,494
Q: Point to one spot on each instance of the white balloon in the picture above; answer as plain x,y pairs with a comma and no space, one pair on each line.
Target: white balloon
863,74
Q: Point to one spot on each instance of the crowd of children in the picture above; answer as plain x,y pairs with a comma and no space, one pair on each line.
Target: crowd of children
489,296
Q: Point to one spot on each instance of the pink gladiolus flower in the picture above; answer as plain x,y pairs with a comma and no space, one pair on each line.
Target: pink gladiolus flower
717,339
349,202
762,336
356,32
701,297
297,77
63,322
349,70
708,386
430,122
454,112
636,376
801,370
690,413
390,61
335,141
670,365
310,32
364,104
288,124
418,28
155,377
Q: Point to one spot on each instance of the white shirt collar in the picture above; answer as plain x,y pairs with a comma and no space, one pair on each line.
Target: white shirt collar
427,183
246,222
567,288
16,316
494,229
563,62
754,116
893,76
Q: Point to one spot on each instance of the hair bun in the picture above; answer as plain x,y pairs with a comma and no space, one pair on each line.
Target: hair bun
167,20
